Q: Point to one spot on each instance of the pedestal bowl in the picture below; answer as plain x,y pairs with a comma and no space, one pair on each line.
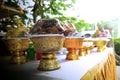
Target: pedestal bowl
87,47
72,45
17,47
101,44
47,45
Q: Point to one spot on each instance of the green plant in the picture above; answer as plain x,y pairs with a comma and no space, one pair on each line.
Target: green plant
117,45
82,25
50,8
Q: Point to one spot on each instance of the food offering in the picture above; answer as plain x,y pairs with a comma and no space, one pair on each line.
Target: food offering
17,42
52,26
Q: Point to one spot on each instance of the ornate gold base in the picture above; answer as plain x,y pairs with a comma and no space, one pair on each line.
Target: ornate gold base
72,55
18,59
101,48
101,45
82,51
17,47
48,62
89,49
48,65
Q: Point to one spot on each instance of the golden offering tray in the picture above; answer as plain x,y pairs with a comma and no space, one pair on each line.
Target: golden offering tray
17,47
47,45
73,44
100,43
86,48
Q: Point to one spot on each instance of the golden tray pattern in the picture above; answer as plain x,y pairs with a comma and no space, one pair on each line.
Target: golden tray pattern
17,46
48,45
72,44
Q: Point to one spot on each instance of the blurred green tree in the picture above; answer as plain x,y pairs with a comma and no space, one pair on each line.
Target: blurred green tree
51,9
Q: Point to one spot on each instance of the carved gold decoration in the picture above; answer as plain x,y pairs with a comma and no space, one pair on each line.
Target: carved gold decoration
72,55
82,51
89,49
48,45
86,49
20,30
101,45
72,44
49,62
17,47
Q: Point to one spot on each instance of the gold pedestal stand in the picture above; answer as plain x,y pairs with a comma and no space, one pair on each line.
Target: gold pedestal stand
89,49
48,62
72,45
48,45
82,51
17,47
88,45
85,50
18,58
72,55
101,45
101,48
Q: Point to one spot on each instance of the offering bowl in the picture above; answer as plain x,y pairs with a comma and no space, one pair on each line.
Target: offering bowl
72,45
48,45
17,47
101,44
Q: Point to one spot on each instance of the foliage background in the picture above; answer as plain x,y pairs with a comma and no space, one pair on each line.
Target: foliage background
50,9
117,45
55,9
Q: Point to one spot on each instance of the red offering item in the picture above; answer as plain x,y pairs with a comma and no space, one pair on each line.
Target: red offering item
38,55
